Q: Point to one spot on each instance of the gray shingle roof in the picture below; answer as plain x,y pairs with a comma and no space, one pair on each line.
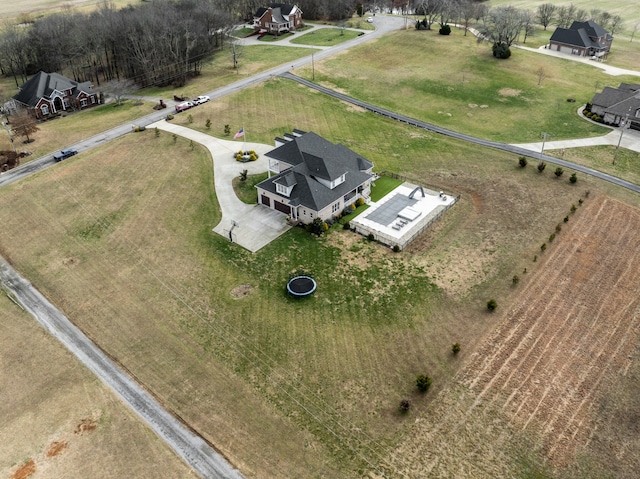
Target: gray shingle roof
44,84
311,158
581,34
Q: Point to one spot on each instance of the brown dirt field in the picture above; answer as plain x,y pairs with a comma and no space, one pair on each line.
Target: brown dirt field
540,380
24,471
56,448
573,327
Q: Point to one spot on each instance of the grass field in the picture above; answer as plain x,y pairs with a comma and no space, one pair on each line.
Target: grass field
325,37
29,9
61,420
122,246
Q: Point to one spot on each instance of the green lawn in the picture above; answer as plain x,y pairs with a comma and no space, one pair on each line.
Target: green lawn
471,92
246,190
325,37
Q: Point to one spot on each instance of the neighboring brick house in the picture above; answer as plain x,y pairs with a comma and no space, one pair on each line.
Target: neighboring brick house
614,104
314,178
49,94
586,39
277,18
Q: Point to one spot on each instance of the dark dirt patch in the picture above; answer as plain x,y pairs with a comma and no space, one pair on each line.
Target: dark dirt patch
24,471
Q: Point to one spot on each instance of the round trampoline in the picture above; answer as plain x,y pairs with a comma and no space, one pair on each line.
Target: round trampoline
301,286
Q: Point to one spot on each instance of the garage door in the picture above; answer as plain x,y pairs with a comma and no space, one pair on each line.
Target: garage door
266,201
282,207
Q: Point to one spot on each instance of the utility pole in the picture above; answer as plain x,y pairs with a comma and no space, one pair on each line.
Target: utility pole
313,69
544,140
622,128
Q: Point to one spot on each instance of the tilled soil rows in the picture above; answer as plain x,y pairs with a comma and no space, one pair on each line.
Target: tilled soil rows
573,330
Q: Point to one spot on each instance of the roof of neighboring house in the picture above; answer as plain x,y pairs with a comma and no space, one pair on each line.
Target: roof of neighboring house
312,158
580,34
277,11
42,85
619,101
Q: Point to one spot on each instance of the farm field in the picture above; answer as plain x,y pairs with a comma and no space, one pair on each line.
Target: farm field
61,420
33,8
120,239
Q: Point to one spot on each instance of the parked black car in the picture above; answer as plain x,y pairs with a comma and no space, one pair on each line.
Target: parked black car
64,154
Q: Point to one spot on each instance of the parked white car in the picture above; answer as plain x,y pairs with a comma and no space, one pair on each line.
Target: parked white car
185,105
201,99
369,19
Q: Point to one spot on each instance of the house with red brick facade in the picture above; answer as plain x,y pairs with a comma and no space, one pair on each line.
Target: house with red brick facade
277,18
48,94
310,177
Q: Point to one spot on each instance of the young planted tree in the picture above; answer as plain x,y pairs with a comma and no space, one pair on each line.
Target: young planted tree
522,161
455,348
404,406
541,166
573,178
423,383
492,304
559,171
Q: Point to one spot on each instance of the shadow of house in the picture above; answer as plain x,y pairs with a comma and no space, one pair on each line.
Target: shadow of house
48,94
616,105
586,39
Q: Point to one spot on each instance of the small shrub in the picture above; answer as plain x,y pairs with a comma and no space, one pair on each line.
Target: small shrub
586,194
492,304
190,118
445,30
516,279
169,117
522,161
396,248
566,219
573,178
347,210
455,348
175,137
580,201
208,124
573,208
423,383
346,225
559,171
227,130
156,131
359,202
404,406
371,237
501,50
543,246
192,144
541,166
558,228
552,236
535,258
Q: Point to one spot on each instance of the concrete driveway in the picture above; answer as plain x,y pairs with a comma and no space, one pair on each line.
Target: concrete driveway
255,225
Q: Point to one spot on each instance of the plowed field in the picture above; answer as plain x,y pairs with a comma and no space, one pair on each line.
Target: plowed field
575,326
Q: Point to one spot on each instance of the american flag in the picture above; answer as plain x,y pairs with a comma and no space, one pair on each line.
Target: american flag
240,134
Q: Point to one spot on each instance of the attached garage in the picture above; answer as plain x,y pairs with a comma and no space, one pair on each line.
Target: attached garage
282,207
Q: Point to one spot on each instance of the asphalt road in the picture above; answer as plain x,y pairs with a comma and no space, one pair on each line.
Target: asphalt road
461,136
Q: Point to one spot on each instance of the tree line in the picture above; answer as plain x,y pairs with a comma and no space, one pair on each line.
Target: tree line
157,43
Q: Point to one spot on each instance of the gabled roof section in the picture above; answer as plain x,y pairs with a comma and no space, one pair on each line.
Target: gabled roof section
43,85
592,28
287,179
571,37
261,11
610,96
284,8
276,15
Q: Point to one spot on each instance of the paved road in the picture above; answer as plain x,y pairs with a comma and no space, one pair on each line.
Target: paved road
189,446
518,150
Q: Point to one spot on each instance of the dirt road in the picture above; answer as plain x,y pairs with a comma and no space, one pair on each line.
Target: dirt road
204,460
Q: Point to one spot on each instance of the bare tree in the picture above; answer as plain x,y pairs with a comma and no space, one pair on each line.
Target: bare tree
616,22
545,14
468,12
23,124
581,15
541,74
502,27
118,89
563,17
527,24
635,29
236,51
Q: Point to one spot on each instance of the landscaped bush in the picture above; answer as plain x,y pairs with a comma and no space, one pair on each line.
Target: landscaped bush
371,237
396,248
541,166
559,171
573,178
455,348
522,161
169,117
501,50
359,202
445,30
404,406
346,225
347,210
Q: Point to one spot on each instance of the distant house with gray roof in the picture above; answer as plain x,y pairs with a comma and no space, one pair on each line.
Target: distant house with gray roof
313,178
49,94
586,39
615,105
277,18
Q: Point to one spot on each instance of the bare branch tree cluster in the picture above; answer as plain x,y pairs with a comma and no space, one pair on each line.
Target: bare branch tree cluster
154,43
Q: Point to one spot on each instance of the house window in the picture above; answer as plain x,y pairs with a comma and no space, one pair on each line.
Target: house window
93,100
66,102
335,207
44,109
83,102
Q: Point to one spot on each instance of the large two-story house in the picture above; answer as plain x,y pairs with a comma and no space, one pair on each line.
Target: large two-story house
313,178
277,18
617,106
49,94
586,39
